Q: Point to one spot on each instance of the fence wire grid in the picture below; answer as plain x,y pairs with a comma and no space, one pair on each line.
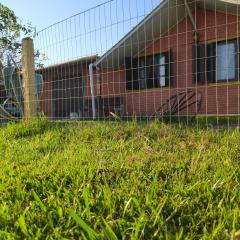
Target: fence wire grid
174,60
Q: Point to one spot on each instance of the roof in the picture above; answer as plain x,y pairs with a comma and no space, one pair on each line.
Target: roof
66,69
83,60
159,21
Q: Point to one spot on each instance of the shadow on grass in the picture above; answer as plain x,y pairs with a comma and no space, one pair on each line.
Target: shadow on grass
25,129
198,122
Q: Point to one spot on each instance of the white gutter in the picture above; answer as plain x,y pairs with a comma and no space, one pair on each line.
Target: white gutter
92,90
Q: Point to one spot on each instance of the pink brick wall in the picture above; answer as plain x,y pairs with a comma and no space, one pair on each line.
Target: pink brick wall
220,99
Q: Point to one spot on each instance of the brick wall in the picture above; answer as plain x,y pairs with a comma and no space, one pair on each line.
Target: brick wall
217,99
61,77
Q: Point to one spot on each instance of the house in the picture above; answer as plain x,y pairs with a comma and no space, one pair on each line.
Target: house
180,45
65,91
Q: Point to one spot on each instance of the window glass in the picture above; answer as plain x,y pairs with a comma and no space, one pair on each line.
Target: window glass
160,70
162,59
225,61
142,70
162,81
142,74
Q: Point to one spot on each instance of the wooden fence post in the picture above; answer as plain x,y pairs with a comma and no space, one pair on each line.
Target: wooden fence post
29,83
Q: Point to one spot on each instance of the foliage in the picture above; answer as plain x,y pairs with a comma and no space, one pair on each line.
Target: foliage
11,29
11,92
120,180
11,105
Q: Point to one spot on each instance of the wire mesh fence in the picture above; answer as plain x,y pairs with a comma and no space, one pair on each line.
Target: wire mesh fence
174,60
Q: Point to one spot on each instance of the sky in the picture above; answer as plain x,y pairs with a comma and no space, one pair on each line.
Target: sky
72,29
46,12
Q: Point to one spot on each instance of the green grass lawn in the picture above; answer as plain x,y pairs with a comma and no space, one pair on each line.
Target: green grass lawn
118,180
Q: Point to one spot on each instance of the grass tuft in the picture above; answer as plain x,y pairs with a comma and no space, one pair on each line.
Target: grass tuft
118,180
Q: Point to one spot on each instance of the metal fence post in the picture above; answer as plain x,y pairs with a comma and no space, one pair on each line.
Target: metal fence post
29,83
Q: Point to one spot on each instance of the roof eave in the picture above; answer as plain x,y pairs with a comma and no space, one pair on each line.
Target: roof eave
129,34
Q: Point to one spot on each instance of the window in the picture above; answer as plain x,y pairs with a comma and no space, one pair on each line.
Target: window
215,62
148,72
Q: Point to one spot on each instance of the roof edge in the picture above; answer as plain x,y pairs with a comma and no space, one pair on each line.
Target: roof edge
83,59
131,32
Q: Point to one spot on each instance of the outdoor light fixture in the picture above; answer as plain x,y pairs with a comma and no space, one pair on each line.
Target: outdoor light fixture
196,37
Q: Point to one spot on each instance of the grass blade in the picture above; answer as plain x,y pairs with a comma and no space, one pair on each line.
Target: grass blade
22,224
91,233
86,201
39,201
160,207
109,232
138,226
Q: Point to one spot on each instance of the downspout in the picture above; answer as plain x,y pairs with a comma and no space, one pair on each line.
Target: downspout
91,65
98,81
99,99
